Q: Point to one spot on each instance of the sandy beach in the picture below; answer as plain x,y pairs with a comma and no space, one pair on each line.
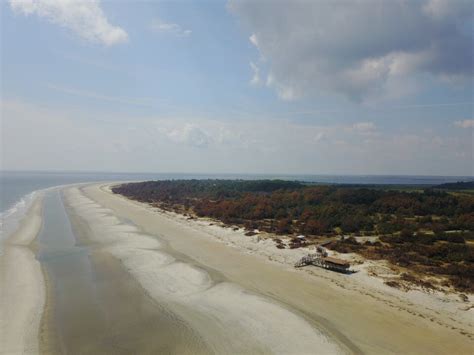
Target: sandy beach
231,177
229,317
126,277
22,288
350,313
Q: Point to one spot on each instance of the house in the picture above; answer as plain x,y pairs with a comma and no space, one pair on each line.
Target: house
335,264
324,261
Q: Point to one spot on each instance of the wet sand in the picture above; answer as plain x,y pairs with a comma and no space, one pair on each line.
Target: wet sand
365,322
227,317
93,305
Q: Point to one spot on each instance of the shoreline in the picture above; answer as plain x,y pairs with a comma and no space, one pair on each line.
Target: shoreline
204,277
430,328
369,273
127,315
23,287
215,307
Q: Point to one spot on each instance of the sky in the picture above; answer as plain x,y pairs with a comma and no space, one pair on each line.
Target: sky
271,87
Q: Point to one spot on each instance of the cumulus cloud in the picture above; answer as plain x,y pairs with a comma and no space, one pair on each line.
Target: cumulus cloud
84,18
464,124
173,28
359,49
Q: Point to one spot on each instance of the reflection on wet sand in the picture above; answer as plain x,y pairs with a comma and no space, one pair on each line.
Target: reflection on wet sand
94,306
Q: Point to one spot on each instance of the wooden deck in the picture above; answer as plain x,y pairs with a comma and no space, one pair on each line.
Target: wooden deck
325,262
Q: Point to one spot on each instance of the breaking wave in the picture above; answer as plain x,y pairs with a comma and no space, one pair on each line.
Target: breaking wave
10,218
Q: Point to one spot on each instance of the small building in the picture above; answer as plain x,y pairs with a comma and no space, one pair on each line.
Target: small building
324,261
335,264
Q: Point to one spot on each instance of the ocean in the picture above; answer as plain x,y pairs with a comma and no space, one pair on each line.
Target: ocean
17,189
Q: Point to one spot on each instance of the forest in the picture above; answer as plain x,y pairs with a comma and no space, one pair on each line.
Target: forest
431,230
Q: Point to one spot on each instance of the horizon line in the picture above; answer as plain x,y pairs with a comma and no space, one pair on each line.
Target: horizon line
221,173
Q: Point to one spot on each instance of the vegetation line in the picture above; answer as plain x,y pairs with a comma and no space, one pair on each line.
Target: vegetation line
428,232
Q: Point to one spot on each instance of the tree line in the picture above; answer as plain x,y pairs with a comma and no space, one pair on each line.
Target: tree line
291,207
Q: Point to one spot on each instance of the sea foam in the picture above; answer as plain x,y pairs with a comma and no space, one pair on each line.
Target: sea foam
10,218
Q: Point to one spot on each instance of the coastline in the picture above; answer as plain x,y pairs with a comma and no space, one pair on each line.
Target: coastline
209,303
455,309
23,288
213,282
328,298
110,310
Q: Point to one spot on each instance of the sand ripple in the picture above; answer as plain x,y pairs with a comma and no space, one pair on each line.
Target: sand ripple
228,317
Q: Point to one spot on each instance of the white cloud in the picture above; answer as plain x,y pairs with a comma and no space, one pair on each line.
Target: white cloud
360,49
464,124
285,92
253,39
256,79
173,28
190,134
84,18
41,137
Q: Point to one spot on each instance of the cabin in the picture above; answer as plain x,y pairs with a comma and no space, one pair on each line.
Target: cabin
327,262
335,264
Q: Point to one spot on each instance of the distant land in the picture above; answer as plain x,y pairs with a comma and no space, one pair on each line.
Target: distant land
460,185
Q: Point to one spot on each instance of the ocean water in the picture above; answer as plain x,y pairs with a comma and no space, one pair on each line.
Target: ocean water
17,189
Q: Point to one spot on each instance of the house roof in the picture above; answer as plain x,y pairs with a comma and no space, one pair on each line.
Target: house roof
337,261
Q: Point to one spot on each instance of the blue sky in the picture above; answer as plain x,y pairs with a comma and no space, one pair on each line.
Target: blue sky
373,87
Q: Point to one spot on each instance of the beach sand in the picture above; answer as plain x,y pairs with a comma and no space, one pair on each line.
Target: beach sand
97,307
22,289
156,281
317,308
228,317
